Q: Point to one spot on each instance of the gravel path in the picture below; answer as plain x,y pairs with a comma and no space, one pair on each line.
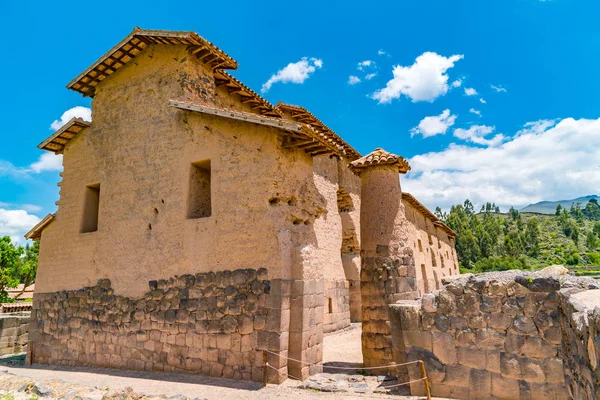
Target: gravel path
24,382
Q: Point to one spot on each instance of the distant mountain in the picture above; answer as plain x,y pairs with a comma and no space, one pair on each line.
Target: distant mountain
549,207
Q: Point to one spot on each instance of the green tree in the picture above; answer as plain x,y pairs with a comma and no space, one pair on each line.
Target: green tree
10,261
596,229
592,241
558,210
28,266
532,237
592,210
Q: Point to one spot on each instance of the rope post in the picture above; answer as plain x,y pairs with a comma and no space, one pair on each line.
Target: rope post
425,380
265,366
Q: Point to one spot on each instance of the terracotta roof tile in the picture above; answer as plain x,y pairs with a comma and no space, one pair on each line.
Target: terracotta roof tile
132,45
380,157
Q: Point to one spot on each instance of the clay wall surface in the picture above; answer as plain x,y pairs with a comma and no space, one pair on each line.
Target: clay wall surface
13,332
387,260
435,256
264,199
580,328
491,336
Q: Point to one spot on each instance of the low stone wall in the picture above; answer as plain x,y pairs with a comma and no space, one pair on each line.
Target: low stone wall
493,336
208,323
337,305
580,327
13,332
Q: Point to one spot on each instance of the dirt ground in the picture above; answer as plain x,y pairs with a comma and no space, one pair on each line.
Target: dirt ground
24,382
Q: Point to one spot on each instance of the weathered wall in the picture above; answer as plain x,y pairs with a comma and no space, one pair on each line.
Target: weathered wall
435,256
494,336
270,207
349,209
140,151
387,262
13,332
337,305
580,328
208,323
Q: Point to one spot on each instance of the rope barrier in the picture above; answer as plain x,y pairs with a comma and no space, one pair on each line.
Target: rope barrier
346,368
405,383
425,379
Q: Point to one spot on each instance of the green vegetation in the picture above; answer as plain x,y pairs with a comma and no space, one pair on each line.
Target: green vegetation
18,264
491,241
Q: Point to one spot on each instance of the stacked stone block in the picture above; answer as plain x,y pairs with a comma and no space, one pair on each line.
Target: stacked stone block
13,332
337,295
306,328
385,279
495,337
580,328
210,323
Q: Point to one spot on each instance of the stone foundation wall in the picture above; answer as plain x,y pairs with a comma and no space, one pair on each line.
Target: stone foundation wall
580,327
336,310
13,332
494,336
306,328
209,323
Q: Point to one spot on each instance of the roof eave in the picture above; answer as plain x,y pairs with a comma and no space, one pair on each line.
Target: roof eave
36,232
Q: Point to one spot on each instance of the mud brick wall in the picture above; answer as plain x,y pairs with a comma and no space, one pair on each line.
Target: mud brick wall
337,305
208,323
13,332
580,327
494,336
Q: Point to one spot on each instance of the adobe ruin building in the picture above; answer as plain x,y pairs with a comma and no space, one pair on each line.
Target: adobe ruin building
199,225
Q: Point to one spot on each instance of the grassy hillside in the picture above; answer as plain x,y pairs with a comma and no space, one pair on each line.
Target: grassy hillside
492,241
549,207
555,247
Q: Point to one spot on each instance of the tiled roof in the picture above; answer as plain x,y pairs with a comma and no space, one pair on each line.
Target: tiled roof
380,157
59,139
36,232
128,48
301,114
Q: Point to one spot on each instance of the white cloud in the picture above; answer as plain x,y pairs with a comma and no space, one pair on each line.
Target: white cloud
296,72
482,101
31,208
370,76
75,112
16,223
425,80
381,52
470,92
47,162
474,111
560,162
457,83
435,125
477,134
353,80
537,126
363,64
498,88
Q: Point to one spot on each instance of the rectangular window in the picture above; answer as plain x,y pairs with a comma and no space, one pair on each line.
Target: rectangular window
420,246
330,306
199,198
91,205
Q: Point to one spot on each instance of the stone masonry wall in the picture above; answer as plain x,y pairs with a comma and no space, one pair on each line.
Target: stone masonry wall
337,305
13,332
494,336
208,323
580,328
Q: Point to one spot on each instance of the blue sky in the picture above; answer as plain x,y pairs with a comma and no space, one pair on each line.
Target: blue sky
536,137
